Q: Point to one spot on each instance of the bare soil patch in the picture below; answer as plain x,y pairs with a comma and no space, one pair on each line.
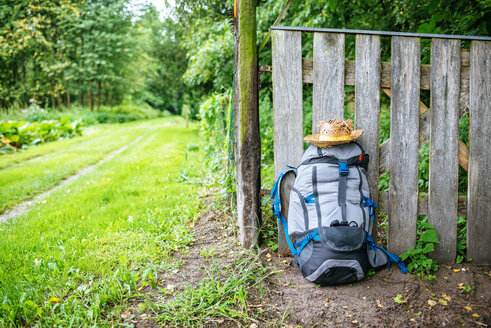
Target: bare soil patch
459,296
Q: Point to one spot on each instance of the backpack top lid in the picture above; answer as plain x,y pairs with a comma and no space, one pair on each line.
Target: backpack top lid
342,151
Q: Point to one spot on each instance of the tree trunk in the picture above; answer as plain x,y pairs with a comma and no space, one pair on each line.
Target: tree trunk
91,100
99,95
248,149
68,100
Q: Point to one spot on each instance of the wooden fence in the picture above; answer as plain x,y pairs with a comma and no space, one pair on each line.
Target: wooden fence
459,80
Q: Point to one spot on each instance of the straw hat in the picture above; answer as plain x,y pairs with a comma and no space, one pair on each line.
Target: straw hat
334,132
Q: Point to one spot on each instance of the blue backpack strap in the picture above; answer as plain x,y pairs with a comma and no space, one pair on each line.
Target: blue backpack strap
390,256
367,202
276,208
311,236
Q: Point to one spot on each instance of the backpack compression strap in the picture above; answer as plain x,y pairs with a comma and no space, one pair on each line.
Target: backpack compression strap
276,208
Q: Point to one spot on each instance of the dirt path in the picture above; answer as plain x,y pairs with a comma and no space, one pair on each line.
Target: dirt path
25,206
461,293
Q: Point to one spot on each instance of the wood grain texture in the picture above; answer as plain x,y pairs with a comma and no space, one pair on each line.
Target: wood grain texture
328,78
248,142
367,105
383,203
287,99
403,184
479,180
285,188
444,146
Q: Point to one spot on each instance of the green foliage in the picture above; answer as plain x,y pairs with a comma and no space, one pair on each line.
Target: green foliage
419,263
21,135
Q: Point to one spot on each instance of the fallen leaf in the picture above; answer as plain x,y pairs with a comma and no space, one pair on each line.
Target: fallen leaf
345,307
412,320
445,278
456,270
268,255
460,285
253,325
284,261
442,302
446,297
349,315
468,308
431,302
354,321
380,304
55,300
475,315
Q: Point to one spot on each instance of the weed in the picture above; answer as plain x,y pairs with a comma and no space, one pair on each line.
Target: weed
418,256
220,296
207,253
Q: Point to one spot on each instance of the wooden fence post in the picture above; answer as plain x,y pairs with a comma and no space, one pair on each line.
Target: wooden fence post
404,133
248,148
479,187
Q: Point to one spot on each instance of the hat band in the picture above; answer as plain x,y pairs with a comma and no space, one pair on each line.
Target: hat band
323,137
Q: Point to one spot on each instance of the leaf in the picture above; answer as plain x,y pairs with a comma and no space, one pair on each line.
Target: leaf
475,315
429,248
446,297
444,302
429,236
432,302
468,308
333,4
460,258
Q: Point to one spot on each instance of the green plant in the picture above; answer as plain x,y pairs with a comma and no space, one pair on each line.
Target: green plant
419,262
221,295
16,135
207,253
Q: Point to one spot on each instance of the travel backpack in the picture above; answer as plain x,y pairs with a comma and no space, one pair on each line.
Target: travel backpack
330,216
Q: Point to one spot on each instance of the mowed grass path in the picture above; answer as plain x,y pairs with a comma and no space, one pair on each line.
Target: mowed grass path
21,179
79,257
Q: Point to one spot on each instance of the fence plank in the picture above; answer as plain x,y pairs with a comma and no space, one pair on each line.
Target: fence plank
287,104
328,78
404,124
367,104
287,99
444,146
479,187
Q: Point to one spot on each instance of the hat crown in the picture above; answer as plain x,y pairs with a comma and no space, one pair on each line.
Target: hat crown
336,127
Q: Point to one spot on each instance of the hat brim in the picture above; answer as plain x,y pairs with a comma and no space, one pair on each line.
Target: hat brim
314,139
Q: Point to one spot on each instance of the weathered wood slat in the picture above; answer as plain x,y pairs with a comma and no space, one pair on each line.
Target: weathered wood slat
404,124
424,137
328,78
287,99
367,104
479,182
385,72
383,203
444,146
287,103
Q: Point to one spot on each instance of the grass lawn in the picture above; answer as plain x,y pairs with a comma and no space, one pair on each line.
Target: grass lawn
79,257
61,159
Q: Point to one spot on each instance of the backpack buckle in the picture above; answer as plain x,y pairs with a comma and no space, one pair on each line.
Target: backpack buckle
343,168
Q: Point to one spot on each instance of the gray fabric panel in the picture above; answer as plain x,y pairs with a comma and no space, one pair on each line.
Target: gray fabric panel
304,208
327,183
380,259
337,263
